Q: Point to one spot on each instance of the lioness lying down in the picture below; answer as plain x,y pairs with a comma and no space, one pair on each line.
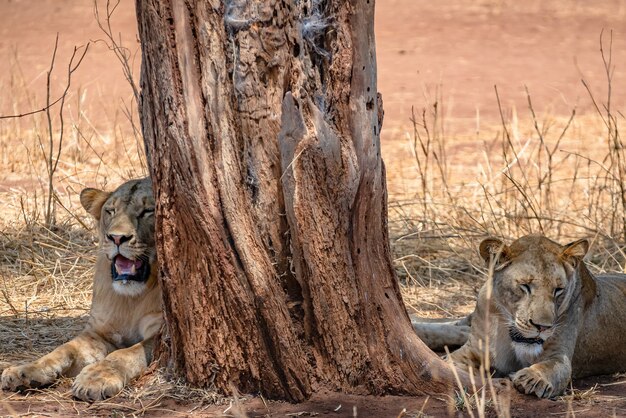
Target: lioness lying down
548,319
116,345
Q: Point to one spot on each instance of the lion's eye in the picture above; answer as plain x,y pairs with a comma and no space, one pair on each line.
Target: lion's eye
558,292
525,288
146,212
110,211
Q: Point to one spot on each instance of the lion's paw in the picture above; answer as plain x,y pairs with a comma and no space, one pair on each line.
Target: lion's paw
98,381
30,375
533,381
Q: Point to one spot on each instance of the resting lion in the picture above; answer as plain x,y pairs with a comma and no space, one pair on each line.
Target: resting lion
548,319
116,345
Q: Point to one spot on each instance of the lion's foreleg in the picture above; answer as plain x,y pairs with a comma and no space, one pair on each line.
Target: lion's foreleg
545,379
466,357
107,377
549,376
66,360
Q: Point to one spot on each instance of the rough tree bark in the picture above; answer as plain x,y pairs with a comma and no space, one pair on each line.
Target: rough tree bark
261,120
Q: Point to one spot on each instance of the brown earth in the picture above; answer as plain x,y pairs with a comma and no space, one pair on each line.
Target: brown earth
463,48
448,50
595,397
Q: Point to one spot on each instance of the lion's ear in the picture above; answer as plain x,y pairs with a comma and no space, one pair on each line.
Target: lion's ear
92,200
575,251
493,250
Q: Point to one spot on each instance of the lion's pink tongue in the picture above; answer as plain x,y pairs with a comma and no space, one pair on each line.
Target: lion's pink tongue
125,266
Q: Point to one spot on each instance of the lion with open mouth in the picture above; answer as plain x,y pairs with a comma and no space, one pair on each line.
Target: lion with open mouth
116,344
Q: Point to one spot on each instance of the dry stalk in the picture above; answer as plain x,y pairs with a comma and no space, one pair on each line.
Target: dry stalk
126,58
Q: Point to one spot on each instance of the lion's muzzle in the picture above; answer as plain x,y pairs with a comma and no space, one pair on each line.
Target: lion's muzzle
124,269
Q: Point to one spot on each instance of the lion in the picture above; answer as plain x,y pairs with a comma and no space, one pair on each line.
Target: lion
116,344
543,317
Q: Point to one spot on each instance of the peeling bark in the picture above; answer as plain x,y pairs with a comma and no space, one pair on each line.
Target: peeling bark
262,122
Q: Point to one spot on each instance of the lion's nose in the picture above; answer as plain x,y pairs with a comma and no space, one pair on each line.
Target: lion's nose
540,327
119,239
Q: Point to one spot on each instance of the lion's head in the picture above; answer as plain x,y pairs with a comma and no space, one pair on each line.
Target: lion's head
534,282
126,227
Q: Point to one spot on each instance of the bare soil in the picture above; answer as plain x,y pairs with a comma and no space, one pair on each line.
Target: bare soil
466,48
595,397
447,51
463,48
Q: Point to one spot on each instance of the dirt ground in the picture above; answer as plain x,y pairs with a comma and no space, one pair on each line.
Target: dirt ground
595,397
463,48
449,52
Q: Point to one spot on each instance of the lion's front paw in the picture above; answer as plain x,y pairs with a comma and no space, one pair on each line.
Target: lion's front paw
98,381
27,376
533,381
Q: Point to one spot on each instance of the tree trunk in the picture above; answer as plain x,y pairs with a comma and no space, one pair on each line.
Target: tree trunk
261,121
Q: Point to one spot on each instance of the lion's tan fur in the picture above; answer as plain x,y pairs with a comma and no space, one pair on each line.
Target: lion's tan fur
583,328
116,344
